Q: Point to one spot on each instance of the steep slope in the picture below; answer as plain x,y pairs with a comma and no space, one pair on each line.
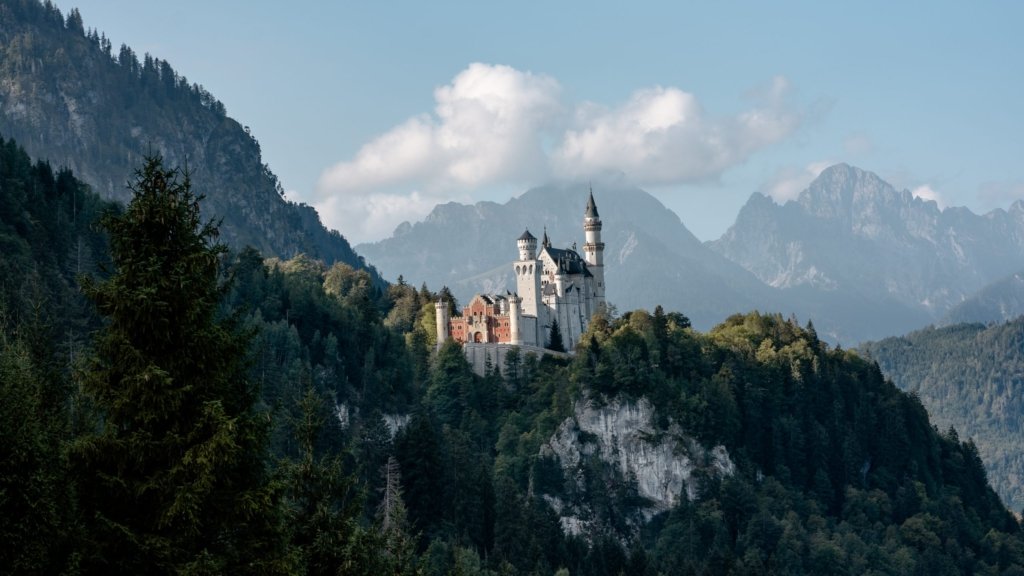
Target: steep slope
852,236
970,377
650,256
67,97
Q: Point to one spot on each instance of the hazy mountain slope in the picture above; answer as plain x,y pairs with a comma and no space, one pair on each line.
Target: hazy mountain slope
650,256
970,377
68,96
851,236
999,301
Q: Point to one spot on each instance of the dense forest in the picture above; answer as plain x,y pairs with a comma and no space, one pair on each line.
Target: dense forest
969,377
168,406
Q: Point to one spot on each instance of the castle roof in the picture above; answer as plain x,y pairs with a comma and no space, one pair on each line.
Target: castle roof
568,261
591,207
527,236
489,298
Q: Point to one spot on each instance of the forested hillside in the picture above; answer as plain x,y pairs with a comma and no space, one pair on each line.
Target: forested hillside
969,377
240,415
47,237
68,96
1000,301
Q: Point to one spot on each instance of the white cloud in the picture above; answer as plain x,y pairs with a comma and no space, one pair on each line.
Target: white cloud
487,125
498,126
374,214
789,182
927,193
662,136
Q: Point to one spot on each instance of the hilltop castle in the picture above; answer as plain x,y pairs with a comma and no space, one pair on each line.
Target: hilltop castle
552,285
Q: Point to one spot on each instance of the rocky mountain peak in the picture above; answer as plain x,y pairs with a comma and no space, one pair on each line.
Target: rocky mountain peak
853,234
844,193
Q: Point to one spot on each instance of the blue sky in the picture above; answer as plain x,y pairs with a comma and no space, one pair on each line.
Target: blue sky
374,112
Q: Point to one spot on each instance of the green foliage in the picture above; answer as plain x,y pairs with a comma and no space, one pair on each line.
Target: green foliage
174,478
322,506
36,522
969,377
555,338
46,239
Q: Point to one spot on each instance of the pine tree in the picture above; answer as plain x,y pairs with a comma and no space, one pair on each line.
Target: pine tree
322,504
398,554
555,338
36,523
174,479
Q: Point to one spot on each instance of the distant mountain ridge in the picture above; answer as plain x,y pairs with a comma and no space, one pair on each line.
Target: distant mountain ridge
650,256
850,234
66,96
1000,301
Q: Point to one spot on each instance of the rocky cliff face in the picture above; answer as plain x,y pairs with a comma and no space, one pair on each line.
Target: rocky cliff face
68,98
658,465
851,236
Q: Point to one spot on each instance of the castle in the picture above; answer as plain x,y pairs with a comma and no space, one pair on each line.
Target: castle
552,285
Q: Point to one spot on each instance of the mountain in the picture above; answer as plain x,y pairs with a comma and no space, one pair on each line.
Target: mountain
851,237
66,96
650,256
1000,301
969,377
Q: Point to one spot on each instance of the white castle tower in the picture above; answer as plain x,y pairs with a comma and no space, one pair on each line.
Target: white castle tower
528,273
593,250
515,315
441,314
529,270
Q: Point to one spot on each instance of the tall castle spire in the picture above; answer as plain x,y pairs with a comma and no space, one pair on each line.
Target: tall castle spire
593,250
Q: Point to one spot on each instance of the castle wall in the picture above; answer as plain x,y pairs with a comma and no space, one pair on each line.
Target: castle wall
528,330
480,356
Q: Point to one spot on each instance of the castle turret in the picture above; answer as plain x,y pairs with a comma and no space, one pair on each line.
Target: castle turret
528,273
527,246
593,250
441,317
514,317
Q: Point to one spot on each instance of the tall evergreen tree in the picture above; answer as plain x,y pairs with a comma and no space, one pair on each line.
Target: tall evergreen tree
322,506
555,338
174,478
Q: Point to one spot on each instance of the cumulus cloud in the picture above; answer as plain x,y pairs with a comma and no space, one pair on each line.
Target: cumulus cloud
487,125
787,183
663,136
498,126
